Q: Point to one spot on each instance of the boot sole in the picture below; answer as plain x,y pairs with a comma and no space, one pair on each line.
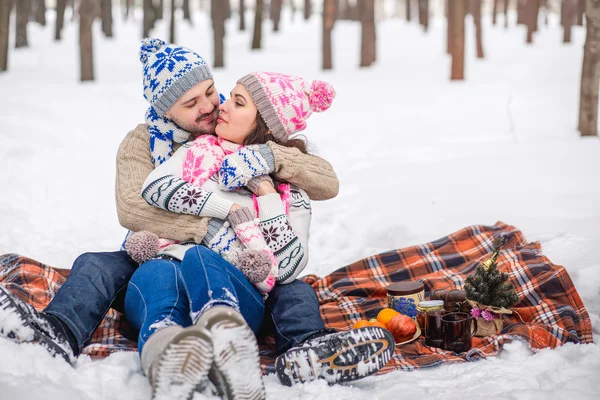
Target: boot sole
12,314
183,365
236,370
350,356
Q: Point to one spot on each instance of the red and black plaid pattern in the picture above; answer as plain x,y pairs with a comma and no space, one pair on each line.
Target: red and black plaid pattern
549,314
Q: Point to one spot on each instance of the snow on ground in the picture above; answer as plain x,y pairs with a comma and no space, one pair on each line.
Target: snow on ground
417,156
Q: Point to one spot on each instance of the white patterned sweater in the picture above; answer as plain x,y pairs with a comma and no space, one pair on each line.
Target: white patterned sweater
287,235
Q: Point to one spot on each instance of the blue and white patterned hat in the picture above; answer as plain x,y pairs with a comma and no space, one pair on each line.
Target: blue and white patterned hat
169,72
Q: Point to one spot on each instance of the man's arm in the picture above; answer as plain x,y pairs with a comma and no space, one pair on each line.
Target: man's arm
134,164
311,173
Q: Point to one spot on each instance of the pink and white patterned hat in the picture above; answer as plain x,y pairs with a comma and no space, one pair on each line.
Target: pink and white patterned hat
285,102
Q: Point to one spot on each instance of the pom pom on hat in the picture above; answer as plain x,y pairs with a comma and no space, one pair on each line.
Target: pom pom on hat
142,246
255,265
321,96
150,46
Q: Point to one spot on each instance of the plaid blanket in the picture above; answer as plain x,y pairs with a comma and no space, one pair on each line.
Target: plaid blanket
550,312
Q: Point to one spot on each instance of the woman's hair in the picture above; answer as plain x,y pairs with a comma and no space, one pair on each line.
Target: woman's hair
261,135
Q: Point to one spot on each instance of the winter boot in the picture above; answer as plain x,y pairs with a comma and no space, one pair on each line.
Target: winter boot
337,357
177,360
20,322
236,369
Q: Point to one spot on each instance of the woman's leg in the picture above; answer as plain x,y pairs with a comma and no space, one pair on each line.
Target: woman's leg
175,359
156,299
224,302
210,280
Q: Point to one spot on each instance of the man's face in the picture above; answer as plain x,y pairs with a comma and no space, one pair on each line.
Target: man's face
197,110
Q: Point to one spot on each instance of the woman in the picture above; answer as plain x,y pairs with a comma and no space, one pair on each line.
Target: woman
196,310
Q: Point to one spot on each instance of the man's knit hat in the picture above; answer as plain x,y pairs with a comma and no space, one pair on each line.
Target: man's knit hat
169,72
286,101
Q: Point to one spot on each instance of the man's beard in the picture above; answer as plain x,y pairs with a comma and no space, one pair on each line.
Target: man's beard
196,130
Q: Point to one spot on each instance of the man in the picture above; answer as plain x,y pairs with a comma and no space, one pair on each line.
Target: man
179,86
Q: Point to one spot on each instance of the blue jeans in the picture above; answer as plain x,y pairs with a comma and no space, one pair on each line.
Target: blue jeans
292,314
96,281
165,292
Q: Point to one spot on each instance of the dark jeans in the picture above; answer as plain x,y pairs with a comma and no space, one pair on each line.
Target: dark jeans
99,280
292,314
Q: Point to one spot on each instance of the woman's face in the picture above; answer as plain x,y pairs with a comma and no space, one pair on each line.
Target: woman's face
237,117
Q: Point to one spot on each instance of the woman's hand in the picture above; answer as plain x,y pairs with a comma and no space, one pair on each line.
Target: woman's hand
261,185
265,187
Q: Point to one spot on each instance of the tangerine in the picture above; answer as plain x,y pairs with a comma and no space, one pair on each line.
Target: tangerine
361,324
386,315
379,324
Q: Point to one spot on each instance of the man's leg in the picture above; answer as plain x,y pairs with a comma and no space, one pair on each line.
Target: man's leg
95,281
293,312
67,324
311,351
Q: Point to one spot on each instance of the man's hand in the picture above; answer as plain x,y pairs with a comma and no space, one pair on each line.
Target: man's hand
240,167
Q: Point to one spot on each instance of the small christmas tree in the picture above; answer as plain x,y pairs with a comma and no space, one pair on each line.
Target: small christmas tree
488,286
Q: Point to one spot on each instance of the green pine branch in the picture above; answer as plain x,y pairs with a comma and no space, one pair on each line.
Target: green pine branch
489,286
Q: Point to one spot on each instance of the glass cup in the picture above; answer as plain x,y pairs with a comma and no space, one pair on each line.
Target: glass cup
433,328
458,328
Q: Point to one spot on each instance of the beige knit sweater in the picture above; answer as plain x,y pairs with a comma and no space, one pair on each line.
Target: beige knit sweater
134,163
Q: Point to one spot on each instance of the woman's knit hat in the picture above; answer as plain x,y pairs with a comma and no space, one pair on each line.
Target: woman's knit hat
169,72
285,102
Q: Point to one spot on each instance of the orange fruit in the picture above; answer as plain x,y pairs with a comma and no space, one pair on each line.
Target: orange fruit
360,324
386,315
379,324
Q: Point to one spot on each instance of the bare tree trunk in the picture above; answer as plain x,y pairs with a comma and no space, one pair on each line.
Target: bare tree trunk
568,18
126,5
530,17
86,18
329,13
424,14
159,9
172,22
39,11
60,18
106,15
148,22
218,14
536,11
408,10
341,12
476,12
187,15
494,12
590,74
522,7
307,9
368,46
580,11
23,8
5,10
242,11
506,4
258,17
448,27
457,12
275,12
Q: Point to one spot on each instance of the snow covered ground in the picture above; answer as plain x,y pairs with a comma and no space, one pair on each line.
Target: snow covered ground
417,156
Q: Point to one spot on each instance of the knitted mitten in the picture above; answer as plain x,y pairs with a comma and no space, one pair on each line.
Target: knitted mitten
248,231
240,167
